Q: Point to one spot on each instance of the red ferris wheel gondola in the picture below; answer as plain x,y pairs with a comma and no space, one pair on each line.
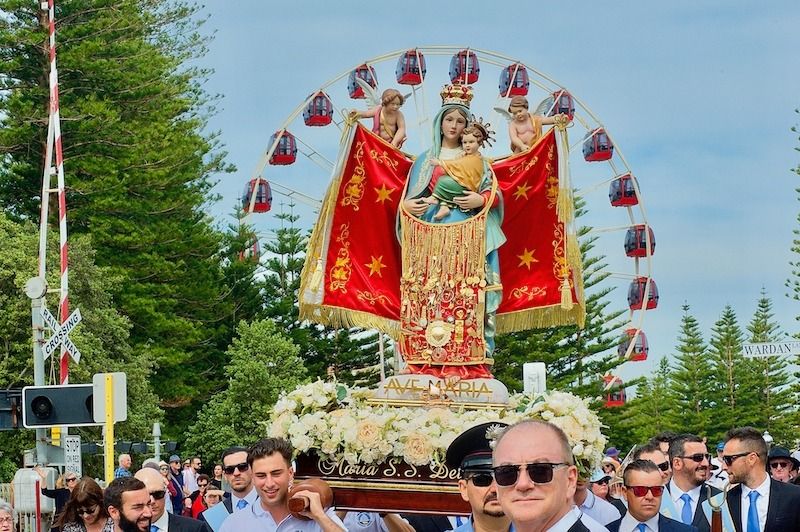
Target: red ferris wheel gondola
410,68
285,151
253,250
263,192
622,191
636,294
640,347
636,241
464,67
597,146
615,391
514,81
563,104
319,111
366,73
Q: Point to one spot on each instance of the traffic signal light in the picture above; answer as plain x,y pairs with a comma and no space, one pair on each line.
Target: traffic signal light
10,409
52,406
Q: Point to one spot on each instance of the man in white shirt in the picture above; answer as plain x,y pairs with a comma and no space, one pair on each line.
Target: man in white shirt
269,461
536,475
643,489
190,474
758,503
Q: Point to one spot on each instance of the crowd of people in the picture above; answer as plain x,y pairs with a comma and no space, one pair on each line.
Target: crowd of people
520,478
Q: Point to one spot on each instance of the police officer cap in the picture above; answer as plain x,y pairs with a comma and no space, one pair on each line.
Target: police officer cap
471,449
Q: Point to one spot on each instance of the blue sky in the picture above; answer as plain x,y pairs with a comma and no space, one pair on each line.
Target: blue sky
699,97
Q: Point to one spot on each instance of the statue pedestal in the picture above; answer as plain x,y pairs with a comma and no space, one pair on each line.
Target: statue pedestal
427,390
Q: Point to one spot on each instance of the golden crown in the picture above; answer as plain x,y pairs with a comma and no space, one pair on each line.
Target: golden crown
458,94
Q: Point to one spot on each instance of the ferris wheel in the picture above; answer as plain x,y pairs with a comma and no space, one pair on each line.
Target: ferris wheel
300,156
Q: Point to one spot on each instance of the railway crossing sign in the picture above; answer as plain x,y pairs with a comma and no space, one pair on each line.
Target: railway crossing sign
60,334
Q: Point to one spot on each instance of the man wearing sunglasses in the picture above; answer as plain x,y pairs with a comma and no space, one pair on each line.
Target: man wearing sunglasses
758,503
643,489
242,492
687,490
161,519
471,454
782,464
536,477
652,451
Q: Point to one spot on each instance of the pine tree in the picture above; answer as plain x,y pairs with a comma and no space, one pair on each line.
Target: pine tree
793,284
138,166
263,363
692,379
775,395
736,388
653,410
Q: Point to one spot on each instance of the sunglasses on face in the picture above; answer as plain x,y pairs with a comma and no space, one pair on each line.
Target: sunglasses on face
602,482
539,473
730,458
780,465
87,511
641,491
203,485
482,479
697,457
158,494
231,468
72,479
663,466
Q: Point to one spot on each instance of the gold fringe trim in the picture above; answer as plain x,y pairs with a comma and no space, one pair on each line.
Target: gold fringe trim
541,317
347,318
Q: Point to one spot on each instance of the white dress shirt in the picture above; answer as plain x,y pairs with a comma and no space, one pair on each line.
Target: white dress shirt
762,503
599,509
631,524
162,523
675,494
251,497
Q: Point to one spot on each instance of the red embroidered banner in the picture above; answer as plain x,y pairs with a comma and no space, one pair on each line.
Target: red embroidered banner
362,266
533,261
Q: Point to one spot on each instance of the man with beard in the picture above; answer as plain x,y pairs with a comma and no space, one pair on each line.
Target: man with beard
471,454
161,521
128,503
687,489
758,503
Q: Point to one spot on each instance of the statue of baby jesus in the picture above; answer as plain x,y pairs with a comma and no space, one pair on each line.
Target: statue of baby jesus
462,174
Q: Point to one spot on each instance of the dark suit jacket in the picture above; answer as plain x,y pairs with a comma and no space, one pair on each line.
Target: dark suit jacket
665,524
783,509
179,523
428,523
699,520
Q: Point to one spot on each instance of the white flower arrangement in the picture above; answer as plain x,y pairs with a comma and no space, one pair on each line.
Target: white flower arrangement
338,423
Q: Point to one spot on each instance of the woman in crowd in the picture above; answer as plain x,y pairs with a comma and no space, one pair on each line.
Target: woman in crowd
84,512
217,480
61,494
6,517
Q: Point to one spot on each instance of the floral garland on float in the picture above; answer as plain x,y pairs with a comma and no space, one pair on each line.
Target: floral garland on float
346,425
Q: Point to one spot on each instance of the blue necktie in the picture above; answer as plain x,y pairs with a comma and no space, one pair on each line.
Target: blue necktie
752,513
153,528
241,504
686,513
642,527
459,522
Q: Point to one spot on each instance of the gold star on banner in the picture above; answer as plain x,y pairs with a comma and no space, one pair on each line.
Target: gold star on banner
522,190
526,259
376,265
383,193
